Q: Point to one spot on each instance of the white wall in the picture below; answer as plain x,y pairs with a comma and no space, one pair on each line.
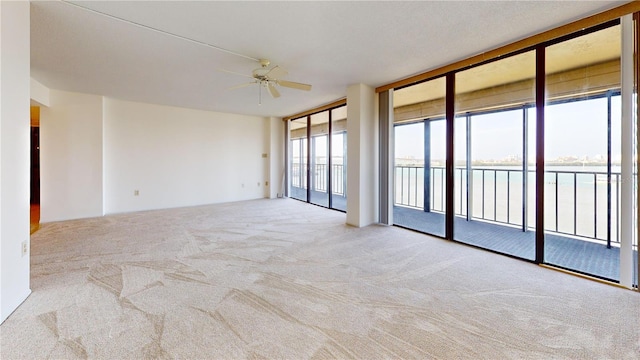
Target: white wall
14,154
71,157
180,157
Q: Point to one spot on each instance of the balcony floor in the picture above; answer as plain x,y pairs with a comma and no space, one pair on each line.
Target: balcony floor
567,252
320,198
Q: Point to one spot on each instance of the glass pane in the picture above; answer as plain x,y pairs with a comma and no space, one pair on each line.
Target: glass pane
420,153
319,171
339,158
582,161
298,162
495,156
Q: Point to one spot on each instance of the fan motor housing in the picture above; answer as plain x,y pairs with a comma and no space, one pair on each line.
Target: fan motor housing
259,74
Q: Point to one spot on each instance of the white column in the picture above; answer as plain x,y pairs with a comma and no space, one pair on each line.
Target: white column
626,213
276,157
14,155
362,155
387,156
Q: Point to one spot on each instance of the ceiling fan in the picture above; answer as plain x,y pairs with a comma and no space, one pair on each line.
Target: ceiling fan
269,78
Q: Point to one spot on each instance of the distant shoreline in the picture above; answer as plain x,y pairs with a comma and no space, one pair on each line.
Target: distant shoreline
412,162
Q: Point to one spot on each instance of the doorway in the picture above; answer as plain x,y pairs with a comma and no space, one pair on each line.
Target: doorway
35,169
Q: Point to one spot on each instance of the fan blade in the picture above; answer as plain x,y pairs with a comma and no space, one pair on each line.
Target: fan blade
294,85
273,91
235,73
241,86
276,73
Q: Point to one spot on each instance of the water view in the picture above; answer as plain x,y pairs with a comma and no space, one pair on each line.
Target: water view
576,197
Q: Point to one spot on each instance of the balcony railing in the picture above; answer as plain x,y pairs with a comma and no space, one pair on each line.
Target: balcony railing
577,203
319,176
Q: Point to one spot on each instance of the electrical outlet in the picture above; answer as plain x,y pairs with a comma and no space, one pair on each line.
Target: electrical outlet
258,183
266,183
242,184
136,192
25,248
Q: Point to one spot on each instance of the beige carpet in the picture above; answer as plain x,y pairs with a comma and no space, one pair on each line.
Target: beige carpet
286,280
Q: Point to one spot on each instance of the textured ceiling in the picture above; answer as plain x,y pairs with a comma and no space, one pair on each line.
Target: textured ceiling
327,44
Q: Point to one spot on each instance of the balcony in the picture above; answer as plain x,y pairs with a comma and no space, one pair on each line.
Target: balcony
581,224
318,194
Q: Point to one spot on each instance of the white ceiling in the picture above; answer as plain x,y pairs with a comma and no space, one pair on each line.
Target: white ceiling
327,44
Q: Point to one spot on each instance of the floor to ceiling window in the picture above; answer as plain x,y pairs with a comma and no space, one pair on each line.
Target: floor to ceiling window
317,158
420,152
538,143
298,158
319,171
339,158
583,153
494,143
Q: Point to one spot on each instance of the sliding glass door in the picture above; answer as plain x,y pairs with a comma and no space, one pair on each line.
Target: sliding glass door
319,179
583,154
420,153
494,165
298,159
317,164
339,158
545,155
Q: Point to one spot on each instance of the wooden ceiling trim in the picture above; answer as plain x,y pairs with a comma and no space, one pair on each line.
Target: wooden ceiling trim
548,35
317,110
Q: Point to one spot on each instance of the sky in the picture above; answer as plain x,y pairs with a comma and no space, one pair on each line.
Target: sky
572,129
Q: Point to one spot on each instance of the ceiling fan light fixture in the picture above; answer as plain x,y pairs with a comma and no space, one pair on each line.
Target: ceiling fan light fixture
269,78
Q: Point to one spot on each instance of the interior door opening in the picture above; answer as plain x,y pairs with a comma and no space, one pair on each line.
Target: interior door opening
35,169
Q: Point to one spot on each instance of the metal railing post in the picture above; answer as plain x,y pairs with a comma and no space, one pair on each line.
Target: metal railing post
427,167
595,206
495,195
344,164
312,164
609,93
575,203
470,174
556,196
508,195
525,164
483,173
